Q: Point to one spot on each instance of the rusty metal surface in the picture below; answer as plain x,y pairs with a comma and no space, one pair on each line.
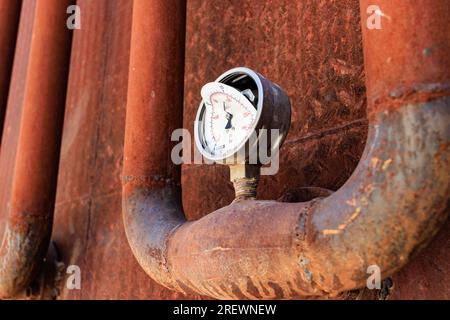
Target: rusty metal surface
9,23
263,249
393,204
416,70
87,203
30,208
88,227
427,276
14,110
313,50
155,80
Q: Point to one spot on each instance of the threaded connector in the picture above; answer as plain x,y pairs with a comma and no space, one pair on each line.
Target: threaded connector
245,179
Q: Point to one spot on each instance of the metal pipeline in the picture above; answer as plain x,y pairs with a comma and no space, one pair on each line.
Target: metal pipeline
391,206
9,22
30,216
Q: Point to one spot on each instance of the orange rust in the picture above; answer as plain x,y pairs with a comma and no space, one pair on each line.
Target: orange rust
407,60
267,249
30,217
155,79
313,50
9,22
410,96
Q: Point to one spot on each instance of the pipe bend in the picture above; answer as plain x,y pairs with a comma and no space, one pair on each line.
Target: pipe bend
390,207
393,203
24,245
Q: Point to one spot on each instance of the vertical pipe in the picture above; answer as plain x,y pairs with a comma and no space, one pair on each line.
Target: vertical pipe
393,204
154,110
155,90
9,23
30,218
406,55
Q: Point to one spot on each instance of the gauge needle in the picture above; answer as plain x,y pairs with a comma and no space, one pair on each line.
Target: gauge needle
229,116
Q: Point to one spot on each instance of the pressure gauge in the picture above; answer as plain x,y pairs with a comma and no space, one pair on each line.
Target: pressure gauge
229,119
235,108
237,115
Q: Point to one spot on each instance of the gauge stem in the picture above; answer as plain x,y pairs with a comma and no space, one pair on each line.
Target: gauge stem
245,179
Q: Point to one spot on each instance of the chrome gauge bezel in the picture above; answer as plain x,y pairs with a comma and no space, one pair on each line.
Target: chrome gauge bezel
228,78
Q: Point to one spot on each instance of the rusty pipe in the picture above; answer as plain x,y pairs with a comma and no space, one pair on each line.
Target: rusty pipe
30,217
391,206
9,23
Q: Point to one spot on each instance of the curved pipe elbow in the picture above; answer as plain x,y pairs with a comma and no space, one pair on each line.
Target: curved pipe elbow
391,206
22,252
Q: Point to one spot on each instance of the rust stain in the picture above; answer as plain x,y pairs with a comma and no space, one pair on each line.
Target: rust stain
9,23
325,78
344,225
33,191
313,50
409,75
257,233
386,164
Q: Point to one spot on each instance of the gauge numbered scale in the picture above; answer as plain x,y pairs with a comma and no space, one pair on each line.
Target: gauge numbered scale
233,110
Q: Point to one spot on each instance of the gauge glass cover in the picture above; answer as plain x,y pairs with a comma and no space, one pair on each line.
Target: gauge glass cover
228,120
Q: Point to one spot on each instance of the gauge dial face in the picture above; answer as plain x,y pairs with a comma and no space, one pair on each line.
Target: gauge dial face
229,119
